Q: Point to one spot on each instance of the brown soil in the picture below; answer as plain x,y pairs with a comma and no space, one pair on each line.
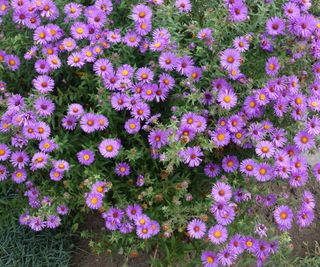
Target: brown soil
84,257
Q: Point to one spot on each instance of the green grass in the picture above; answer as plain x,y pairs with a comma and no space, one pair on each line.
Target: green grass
21,247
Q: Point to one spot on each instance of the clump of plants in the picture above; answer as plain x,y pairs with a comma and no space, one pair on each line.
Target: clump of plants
180,122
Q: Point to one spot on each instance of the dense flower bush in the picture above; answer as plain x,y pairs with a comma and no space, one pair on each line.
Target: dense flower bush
177,121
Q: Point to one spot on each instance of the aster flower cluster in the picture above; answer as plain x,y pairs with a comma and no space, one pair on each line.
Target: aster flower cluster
233,116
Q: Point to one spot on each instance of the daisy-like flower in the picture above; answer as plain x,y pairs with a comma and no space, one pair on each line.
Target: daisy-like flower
3,173
132,39
218,234
44,106
209,259
39,160
315,171
76,60
141,111
230,164
183,5
13,62
4,152
227,257
62,209
43,84
19,159
61,165
123,169
37,224
308,200
238,12
304,141
247,167
220,137
109,148
167,61
133,211
272,66
241,43
85,157
230,59
141,13
305,217
191,156
275,26
158,138
69,122
94,201
263,172
132,126
79,30
89,123
53,221
196,229
144,232
227,99
19,176
265,149
283,216
212,170
221,192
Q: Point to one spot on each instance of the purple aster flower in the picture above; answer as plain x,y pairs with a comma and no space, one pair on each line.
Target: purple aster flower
226,257
218,234
132,39
94,201
4,152
141,13
247,167
236,244
291,10
227,99
133,211
140,180
99,187
263,172
69,122
265,149
305,217
85,157
42,66
61,165
220,137
13,62
88,123
123,169
183,64
269,200
3,172
212,170
158,138
109,148
191,156
144,232
24,219
39,161
37,224
209,259
308,200
283,216
167,61
304,141
44,106
62,209
43,84
142,220
272,66
76,60
183,5
275,26
79,30
313,125
19,176
241,43
230,164
19,159
132,126
53,221
119,101
141,111
230,59
75,110
221,192
196,229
